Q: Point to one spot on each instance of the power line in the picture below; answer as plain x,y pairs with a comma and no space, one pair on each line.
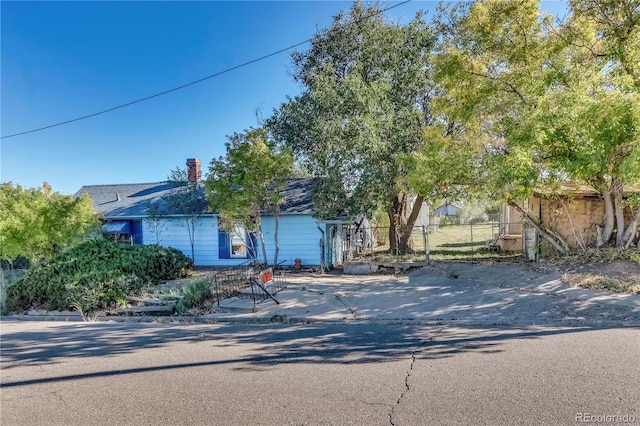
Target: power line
146,98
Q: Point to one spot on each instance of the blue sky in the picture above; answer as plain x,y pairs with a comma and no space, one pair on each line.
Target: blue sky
62,60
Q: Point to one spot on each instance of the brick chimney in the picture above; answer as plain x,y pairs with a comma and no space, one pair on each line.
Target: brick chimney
194,173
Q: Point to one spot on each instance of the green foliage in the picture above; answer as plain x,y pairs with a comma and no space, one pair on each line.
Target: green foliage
196,292
94,274
446,167
549,102
365,100
476,220
37,223
249,180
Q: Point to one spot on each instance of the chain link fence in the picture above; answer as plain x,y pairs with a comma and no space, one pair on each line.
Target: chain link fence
435,242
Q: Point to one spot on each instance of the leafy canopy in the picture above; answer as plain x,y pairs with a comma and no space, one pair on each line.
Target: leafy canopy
248,179
37,223
365,101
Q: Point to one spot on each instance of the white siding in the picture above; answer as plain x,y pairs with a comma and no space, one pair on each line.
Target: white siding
173,233
298,238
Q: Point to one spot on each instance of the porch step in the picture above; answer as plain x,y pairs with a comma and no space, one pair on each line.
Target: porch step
237,304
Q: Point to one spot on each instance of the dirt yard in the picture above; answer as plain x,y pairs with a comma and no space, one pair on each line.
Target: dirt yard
620,276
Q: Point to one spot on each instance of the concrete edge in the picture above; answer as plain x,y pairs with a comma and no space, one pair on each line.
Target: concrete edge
283,319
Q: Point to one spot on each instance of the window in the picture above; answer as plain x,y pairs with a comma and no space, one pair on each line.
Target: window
239,242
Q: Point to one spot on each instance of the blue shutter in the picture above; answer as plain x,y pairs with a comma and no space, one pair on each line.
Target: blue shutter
223,245
137,232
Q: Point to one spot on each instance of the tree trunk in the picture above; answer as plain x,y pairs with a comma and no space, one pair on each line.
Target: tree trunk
191,231
275,240
393,242
555,240
619,214
262,245
605,234
401,227
407,231
630,232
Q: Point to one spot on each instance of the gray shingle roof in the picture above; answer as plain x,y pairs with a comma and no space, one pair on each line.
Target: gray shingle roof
133,198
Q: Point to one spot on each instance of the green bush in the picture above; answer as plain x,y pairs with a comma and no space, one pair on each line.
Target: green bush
197,292
477,220
94,274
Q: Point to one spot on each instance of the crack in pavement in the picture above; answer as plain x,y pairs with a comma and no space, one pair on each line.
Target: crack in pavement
353,311
407,387
57,395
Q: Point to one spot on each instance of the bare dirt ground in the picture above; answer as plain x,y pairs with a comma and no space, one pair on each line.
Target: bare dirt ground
620,276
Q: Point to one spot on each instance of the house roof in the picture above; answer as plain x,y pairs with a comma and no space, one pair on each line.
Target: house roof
125,200
579,190
448,209
119,201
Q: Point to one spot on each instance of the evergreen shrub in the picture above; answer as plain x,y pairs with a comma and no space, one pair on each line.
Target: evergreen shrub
95,273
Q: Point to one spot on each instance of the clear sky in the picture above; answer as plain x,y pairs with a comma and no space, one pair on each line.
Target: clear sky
62,60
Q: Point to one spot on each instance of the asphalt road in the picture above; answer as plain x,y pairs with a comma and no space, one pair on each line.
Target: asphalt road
59,373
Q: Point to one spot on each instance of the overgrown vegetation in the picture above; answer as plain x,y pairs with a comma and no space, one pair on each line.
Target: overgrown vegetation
248,182
36,223
492,99
95,274
195,294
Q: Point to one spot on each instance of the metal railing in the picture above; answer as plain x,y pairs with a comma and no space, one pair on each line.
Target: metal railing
246,281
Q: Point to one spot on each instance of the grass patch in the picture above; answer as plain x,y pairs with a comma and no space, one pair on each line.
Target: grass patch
446,242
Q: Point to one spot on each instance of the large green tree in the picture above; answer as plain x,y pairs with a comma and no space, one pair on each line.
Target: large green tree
37,223
591,113
249,181
551,102
365,101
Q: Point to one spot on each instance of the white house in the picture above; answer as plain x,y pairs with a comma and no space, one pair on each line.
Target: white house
124,210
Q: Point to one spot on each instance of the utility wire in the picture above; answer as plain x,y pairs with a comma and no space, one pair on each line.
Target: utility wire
146,98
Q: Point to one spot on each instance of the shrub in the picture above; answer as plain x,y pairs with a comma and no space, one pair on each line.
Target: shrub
196,292
95,273
477,220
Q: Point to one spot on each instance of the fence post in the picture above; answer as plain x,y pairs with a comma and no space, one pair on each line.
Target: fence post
424,240
473,250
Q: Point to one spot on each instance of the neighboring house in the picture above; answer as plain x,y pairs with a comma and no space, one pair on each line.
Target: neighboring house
123,209
447,210
572,211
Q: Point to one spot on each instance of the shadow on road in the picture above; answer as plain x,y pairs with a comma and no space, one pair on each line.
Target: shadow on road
260,345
